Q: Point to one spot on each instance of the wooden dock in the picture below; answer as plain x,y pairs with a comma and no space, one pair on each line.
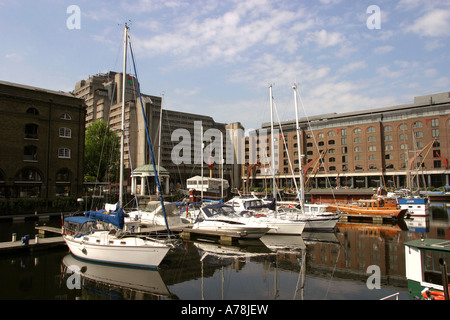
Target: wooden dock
42,243
225,237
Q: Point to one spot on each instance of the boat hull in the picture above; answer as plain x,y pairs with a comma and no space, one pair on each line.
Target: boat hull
147,256
288,228
243,231
355,210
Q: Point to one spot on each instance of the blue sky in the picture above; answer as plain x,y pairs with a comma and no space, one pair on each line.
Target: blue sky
218,57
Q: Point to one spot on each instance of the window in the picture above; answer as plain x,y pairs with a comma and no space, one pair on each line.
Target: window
331,142
435,122
30,153
320,135
65,133
388,138
373,167
437,163
343,141
357,131
373,157
372,139
358,168
357,140
403,126
343,132
332,159
321,143
417,124
332,168
331,151
28,175
358,149
390,166
344,159
358,158
388,147
389,157
404,136
435,133
404,146
418,134
64,153
388,129
65,116
372,148
33,111
31,131
371,129
331,133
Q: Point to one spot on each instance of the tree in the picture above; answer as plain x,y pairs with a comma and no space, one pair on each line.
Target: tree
101,153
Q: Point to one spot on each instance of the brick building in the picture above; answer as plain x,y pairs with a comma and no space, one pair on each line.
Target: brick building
42,149
399,146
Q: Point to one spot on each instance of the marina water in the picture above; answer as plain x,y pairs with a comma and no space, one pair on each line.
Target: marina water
359,261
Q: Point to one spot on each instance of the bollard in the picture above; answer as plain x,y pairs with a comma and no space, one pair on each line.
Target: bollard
25,240
14,237
36,239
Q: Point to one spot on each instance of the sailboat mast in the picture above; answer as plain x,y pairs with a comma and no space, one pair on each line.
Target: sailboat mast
274,184
302,184
122,131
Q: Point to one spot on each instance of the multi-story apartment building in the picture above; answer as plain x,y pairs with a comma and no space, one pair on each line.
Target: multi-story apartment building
103,96
42,149
398,146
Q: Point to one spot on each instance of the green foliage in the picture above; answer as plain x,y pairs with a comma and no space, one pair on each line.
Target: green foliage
102,152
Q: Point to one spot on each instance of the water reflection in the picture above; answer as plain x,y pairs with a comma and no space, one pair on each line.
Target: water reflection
330,265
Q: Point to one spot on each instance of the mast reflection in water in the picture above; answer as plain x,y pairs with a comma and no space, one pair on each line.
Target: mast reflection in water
328,266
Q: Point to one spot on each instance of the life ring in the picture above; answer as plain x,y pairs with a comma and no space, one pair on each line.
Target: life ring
432,295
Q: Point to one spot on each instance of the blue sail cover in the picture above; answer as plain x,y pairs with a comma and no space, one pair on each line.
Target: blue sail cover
116,220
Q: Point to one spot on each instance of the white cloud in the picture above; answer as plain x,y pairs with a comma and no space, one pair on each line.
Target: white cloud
352,67
325,39
433,24
383,49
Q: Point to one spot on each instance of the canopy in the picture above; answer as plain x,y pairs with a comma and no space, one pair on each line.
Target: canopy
116,220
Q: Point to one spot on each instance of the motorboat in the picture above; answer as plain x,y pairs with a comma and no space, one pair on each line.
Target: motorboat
254,209
220,218
152,214
317,217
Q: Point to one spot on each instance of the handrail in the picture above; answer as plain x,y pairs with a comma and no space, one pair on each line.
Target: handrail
391,296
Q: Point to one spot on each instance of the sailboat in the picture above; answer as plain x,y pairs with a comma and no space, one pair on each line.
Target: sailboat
101,237
314,216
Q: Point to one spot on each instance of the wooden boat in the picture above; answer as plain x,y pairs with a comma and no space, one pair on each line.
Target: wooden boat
374,206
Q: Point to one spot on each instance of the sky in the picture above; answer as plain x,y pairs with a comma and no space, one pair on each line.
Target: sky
218,58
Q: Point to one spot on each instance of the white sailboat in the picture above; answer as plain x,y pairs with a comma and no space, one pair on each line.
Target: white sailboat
100,237
314,216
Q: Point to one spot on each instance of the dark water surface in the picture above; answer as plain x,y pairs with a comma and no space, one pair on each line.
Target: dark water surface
316,266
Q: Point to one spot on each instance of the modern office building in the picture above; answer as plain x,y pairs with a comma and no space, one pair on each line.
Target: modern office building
103,97
398,146
42,149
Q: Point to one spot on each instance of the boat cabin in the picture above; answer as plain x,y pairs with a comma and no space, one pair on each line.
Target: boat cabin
425,260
